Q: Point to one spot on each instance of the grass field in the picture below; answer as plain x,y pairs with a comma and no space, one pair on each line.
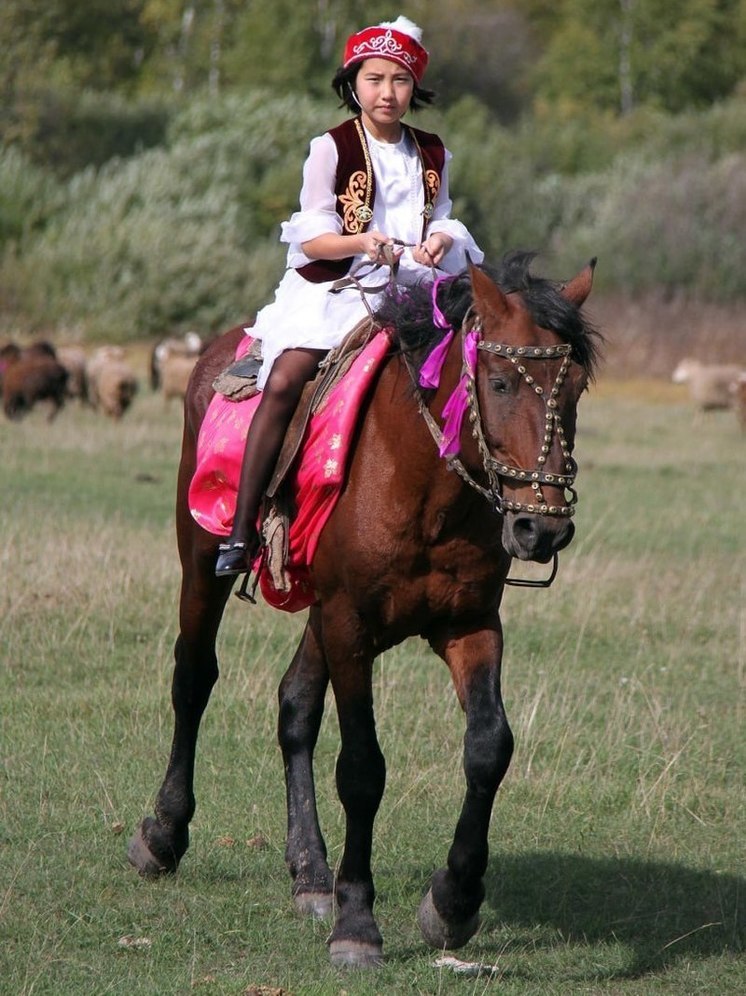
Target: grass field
617,861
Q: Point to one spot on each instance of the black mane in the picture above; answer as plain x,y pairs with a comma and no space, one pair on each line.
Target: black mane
410,311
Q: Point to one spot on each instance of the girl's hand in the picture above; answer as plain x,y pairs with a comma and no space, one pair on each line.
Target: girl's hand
371,244
330,245
433,249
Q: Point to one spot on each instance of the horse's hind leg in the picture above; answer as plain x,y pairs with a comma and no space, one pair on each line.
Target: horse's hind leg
160,841
361,775
449,913
301,698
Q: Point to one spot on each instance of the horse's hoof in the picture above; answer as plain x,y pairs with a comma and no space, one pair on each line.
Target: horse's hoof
142,858
355,954
318,905
438,932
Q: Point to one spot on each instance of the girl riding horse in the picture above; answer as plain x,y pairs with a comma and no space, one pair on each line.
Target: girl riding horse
372,182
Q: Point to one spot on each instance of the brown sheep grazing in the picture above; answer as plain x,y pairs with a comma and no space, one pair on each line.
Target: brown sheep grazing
30,376
709,384
190,345
112,384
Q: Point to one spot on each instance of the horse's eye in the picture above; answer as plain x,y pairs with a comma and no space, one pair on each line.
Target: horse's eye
499,385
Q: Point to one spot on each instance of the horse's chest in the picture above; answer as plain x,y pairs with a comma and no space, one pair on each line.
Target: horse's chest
450,587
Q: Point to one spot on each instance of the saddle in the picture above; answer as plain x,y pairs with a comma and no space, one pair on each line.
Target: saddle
237,384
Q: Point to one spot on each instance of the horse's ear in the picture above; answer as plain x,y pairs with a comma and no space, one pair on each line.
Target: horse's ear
487,295
578,289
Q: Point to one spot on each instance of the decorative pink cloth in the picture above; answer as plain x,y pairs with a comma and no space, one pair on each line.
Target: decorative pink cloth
316,479
432,367
455,408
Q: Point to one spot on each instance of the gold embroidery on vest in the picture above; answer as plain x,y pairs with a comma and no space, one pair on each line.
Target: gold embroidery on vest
432,182
355,201
355,211
431,186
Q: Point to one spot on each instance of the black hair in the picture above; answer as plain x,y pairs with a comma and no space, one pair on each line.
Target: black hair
410,310
344,86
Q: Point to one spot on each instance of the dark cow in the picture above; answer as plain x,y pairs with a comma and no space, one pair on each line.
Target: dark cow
31,375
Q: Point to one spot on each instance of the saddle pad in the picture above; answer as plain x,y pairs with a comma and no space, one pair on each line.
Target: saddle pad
315,482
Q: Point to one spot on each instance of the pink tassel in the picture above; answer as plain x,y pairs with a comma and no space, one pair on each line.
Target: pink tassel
455,407
431,369
453,413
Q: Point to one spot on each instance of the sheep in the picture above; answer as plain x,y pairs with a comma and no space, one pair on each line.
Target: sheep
74,360
190,345
709,384
112,385
31,375
175,371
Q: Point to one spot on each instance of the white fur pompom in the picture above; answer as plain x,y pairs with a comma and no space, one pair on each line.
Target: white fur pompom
404,25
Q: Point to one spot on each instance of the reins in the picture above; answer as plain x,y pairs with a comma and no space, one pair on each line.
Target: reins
385,258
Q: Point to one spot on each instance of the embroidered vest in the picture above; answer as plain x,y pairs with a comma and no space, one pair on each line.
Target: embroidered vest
355,188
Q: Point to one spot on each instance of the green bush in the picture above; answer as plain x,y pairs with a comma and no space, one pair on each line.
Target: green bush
69,130
28,196
185,236
675,224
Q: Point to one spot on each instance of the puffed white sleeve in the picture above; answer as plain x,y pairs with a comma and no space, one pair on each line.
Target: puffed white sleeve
318,214
455,259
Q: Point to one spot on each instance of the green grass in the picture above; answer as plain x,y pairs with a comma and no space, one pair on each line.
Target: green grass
617,839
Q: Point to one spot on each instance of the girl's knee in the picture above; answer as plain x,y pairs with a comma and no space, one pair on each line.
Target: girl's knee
289,374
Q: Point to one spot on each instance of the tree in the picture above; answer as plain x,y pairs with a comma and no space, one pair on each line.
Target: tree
621,54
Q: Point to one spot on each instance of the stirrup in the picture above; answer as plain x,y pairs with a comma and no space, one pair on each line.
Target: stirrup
243,593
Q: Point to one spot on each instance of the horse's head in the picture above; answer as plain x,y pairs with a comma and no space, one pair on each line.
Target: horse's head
533,355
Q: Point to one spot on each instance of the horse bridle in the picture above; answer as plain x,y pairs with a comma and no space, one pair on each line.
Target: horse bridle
495,470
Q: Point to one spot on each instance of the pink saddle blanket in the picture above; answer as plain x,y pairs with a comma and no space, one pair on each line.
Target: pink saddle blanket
316,479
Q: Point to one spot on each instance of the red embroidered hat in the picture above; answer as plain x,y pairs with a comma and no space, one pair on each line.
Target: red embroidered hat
398,41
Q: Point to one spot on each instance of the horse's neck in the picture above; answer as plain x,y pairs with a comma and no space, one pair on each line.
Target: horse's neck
397,433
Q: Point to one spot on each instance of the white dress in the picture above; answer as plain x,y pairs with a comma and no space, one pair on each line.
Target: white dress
305,314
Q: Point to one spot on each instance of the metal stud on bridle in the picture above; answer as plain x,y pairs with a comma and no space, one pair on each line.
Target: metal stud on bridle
538,476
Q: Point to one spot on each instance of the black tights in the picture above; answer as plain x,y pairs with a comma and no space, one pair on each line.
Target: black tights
287,378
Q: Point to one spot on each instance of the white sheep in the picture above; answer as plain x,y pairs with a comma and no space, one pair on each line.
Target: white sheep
709,384
175,371
111,381
190,345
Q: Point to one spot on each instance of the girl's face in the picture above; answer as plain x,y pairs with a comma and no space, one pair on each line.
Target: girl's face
384,90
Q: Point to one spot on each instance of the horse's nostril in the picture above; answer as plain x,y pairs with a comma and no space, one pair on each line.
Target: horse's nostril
525,526
531,537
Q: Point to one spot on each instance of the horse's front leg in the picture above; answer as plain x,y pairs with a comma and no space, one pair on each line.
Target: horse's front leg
449,913
361,775
161,841
301,697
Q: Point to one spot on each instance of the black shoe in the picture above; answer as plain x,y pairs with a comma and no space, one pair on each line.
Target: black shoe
232,559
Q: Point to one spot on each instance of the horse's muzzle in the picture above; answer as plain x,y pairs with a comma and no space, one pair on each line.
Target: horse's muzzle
527,536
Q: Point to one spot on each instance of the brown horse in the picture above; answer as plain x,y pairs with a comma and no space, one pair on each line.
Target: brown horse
416,545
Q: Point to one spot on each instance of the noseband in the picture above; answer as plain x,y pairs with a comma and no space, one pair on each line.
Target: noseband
497,470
